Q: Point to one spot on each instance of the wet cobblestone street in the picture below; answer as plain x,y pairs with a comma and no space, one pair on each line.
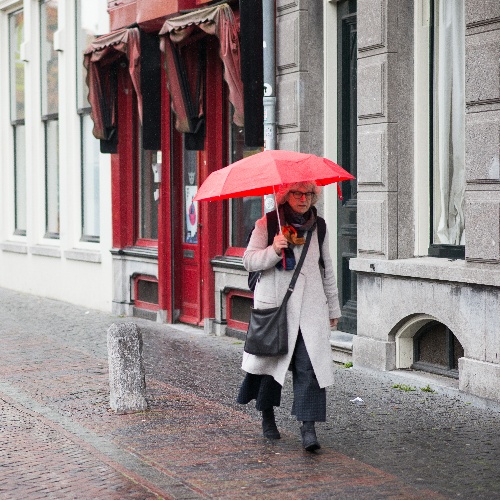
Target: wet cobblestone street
58,438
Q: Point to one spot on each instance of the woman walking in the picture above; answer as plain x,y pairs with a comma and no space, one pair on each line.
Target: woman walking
313,308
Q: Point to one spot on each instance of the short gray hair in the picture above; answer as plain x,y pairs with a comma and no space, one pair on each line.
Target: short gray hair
284,190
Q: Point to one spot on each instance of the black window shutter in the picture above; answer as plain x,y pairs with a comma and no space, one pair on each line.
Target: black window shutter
252,71
151,91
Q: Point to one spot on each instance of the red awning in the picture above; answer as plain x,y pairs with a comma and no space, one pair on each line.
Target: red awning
218,21
98,57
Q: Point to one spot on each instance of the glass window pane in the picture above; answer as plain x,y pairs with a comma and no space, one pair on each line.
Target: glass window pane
52,177
190,163
244,211
148,207
92,21
48,57
20,178
90,180
448,95
16,28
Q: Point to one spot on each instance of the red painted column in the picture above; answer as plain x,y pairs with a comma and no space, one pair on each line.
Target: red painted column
213,158
165,257
122,167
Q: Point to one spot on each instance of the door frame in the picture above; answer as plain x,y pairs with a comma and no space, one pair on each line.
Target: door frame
211,221
347,155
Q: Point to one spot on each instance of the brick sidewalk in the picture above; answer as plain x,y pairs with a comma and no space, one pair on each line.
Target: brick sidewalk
61,441
38,459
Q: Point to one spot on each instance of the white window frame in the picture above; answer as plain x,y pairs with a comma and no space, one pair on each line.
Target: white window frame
421,127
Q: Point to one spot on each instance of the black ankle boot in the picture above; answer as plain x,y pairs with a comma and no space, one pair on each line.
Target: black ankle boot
269,428
309,439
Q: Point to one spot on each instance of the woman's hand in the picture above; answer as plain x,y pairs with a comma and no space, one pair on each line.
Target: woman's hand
279,243
334,322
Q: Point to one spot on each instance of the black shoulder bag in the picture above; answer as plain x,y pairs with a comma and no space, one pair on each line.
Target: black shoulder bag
267,333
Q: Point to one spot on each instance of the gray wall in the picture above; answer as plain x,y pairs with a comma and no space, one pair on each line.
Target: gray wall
299,81
385,128
482,122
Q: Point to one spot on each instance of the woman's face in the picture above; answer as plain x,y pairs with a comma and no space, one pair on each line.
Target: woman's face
300,203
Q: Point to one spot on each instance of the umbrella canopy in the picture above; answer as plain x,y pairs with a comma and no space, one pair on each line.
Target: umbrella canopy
265,172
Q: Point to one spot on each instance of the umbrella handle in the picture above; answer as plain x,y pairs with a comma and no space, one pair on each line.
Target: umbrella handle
339,192
277,212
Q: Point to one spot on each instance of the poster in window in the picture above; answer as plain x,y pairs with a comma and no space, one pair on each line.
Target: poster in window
191,210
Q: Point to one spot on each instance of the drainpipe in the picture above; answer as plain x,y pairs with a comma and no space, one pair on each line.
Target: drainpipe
268,38
269,33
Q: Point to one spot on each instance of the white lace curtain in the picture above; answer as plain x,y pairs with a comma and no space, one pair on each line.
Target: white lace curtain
449,164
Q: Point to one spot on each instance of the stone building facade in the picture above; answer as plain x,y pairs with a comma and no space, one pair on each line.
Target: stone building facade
405,295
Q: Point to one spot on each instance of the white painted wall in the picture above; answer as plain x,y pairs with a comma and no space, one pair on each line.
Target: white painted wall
64,269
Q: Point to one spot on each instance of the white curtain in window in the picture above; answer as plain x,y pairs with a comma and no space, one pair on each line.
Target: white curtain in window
451,121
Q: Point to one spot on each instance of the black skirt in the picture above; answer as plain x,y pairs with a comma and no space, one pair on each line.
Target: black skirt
263,388
309,402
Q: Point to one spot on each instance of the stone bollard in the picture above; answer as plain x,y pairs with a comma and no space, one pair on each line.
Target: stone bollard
127,381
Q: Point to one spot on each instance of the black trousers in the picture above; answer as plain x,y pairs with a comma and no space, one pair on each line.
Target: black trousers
309,402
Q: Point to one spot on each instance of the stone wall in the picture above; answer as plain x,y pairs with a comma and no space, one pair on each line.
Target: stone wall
385,128
299,75
482,131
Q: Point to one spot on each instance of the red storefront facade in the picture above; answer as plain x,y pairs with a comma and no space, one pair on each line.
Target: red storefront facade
167,105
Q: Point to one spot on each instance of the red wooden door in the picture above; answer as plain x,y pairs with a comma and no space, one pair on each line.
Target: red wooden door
187,268
197,228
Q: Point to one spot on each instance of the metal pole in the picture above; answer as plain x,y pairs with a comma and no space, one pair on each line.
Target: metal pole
269,49
269,33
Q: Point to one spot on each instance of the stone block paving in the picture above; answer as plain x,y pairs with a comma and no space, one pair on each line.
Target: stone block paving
38,460
58,438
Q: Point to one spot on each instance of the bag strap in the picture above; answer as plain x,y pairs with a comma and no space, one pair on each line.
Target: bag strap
291,287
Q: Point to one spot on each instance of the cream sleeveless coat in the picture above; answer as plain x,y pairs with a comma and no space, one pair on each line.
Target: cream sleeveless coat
310,307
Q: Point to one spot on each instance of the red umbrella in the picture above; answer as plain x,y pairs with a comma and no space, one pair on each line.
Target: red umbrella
263,173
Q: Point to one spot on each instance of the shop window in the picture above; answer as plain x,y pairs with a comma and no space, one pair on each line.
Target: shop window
447,128
50,109
437,350
92,20
148,193
243,211
190,181
17,104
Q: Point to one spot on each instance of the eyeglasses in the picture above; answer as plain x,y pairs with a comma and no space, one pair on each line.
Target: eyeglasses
298,195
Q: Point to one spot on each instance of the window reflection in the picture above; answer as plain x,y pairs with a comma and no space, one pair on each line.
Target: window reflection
16,77
244,211
48,57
